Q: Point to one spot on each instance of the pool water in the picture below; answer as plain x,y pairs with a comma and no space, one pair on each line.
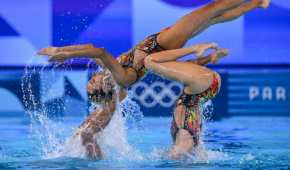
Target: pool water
232,143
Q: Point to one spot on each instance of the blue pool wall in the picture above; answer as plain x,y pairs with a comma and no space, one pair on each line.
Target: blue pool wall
247,91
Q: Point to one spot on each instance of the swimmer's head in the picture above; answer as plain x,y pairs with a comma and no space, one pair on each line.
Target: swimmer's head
101,88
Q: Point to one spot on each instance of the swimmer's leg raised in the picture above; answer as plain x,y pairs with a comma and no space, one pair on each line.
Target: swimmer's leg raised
178,34
195,77
239,11
236,13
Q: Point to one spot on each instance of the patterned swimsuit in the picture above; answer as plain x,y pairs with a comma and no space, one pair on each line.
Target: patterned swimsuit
192,122
149,46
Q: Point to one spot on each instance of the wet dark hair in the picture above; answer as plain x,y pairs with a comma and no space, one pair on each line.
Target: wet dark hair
99,96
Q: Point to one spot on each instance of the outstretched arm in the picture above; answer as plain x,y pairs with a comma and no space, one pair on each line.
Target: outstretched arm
123,77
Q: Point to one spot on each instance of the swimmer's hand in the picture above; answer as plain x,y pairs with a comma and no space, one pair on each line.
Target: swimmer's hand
50,51
61,54
200,49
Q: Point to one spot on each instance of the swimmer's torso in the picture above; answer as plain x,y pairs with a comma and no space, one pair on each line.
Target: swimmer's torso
135,57
189,106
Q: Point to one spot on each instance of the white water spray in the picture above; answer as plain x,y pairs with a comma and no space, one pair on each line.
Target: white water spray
52,135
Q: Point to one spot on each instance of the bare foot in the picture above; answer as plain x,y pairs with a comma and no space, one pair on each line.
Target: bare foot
264,3
201,48
216,56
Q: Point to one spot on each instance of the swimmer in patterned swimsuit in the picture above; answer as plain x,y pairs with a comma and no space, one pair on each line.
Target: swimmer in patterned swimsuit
191,103
201,84
129,68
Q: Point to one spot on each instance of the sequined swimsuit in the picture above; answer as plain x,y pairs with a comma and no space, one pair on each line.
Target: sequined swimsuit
192,122
149,46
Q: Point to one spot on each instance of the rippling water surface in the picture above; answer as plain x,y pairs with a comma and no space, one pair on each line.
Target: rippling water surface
233,143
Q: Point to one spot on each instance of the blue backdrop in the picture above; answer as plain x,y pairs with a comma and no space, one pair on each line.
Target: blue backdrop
260,37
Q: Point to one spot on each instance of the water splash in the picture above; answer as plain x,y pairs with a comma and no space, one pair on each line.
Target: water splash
113,141
51,134
55,140
132,112
207,109
246,158
200,154
43,130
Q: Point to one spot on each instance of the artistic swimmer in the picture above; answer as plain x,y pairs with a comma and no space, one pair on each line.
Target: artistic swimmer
200,85
129,67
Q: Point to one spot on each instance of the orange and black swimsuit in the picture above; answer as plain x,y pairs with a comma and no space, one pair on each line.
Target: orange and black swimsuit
149,45
192,102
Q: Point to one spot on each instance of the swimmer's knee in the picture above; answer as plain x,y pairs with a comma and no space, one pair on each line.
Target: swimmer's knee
148,62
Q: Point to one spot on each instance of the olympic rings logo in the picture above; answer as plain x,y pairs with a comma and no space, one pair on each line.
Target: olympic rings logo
164,94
